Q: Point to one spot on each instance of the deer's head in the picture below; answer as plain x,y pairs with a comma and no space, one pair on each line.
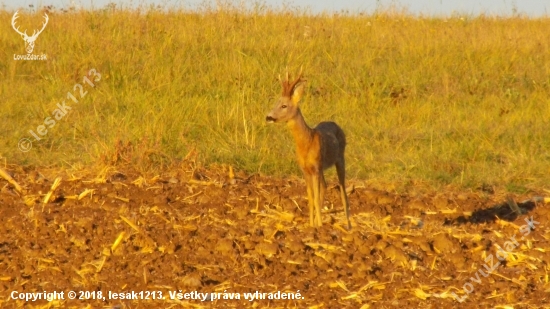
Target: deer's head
29,40
286,106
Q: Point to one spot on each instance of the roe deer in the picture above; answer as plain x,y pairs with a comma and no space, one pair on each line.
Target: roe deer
317,149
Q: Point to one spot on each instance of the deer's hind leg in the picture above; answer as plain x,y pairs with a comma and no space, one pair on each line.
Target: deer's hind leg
341,170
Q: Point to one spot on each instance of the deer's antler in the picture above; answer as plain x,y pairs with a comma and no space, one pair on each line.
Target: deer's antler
16,16
24,34
34,34
289,86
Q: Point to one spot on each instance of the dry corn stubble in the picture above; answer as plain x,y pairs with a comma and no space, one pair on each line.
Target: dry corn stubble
253,235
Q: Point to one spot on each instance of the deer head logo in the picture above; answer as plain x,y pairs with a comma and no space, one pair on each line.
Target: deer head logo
29,40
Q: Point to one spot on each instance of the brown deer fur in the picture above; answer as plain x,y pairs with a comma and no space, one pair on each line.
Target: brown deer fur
317,149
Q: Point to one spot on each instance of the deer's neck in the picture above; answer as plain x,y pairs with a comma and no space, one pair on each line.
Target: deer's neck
302,133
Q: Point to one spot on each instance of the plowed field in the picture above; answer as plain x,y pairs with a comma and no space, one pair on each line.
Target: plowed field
216,236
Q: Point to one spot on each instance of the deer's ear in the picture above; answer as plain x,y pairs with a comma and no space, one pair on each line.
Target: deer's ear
297,92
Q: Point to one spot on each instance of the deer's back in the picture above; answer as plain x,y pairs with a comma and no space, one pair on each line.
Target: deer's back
333,142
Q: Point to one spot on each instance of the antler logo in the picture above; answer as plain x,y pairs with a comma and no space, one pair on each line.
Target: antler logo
29,40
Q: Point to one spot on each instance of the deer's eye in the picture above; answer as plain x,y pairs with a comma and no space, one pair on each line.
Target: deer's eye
283,106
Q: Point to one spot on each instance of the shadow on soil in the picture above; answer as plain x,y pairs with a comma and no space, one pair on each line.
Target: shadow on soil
507,211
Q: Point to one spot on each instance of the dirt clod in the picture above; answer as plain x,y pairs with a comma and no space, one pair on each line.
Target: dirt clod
201,234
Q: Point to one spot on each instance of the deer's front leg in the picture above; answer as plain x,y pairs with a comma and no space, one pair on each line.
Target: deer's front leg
316,198
310,197
322,189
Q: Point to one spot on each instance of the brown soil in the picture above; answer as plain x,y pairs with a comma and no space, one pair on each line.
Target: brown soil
200,230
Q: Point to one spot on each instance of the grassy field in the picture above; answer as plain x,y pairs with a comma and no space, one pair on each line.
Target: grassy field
458,101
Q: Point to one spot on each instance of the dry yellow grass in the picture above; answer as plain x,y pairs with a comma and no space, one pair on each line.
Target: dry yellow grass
461,100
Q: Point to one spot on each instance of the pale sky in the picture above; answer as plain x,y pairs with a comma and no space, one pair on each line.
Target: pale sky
533,8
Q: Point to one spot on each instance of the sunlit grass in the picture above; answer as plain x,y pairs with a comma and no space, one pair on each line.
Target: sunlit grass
459,101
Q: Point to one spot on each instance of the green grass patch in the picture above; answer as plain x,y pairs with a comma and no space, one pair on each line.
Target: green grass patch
460,101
